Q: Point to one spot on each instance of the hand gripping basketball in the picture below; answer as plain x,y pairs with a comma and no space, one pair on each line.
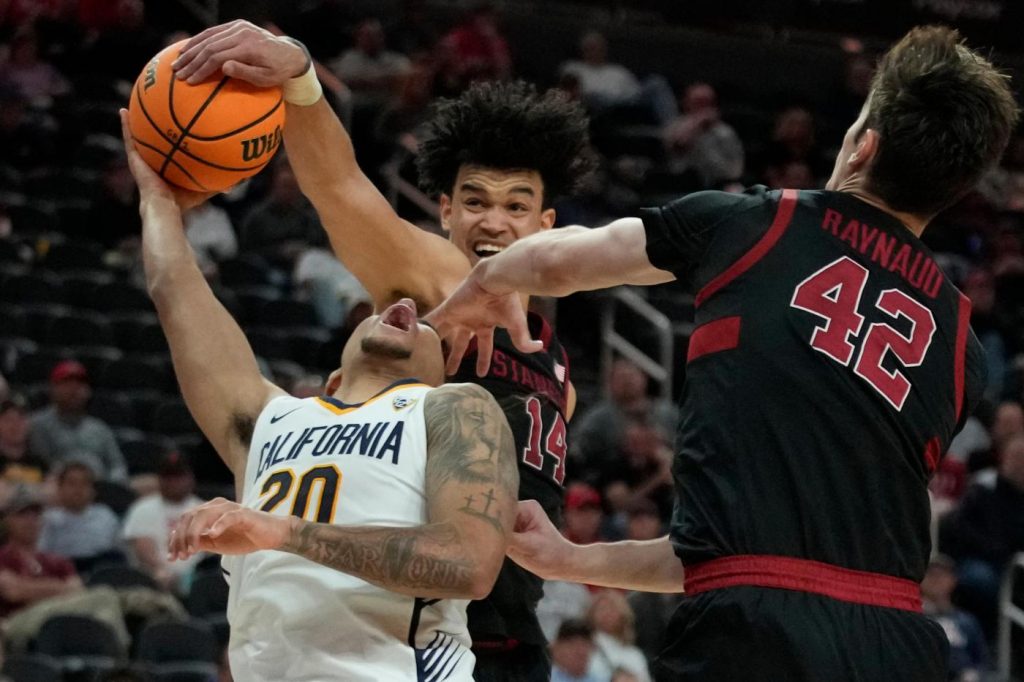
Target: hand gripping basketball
242,50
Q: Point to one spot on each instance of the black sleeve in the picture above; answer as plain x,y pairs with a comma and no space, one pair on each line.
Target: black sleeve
678,233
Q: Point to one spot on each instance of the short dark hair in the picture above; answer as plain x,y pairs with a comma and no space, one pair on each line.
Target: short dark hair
75,465
572,628
944,114
508,126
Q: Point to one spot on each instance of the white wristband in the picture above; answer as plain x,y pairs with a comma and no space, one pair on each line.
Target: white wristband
303,90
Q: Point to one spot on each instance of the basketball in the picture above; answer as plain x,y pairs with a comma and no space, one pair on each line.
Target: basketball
204,137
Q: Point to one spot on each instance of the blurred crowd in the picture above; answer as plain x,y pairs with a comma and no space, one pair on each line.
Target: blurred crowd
99,457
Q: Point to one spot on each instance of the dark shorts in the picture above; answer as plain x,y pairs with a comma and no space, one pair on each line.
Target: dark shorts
524,663
760,634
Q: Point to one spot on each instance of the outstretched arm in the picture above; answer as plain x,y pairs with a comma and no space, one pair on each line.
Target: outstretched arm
215,366
647,566
384,252
471,486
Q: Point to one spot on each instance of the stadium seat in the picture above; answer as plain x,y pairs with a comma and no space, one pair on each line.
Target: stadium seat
251,299
95,358
172,418
79,329
268,343
144,455
10,251
12,349
120,297
78,286
164,643
38,317
286,313
139,332
34,287
307,346
246,270
15,322
121,576
35,218
135,373
116,409
35,368
32,668
79,642
208,594
115,496
72,255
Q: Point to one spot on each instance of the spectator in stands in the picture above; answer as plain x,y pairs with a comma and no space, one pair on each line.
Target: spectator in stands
37,80
645,464
605,85
20,466
413,31
986,531
989,328
64,431
571,652
284,225
148,522
1008,422
475,50
397,125
113,218
77,527
644,520
598,432
373,72
968,653
793,154
211,235
699,141
562,601
613,621
582,514
28,575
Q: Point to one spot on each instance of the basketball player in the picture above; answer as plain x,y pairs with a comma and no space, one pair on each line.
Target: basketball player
497,156
404,494
831,365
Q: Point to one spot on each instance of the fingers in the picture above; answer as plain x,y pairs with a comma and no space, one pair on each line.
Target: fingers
458,342
484,350
213,56
186,538
194,47
257,75
136,165
519,331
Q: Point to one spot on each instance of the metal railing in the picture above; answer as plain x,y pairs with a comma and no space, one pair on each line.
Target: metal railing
658,369
1010,615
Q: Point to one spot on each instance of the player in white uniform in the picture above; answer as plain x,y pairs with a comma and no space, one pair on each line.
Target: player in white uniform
368,517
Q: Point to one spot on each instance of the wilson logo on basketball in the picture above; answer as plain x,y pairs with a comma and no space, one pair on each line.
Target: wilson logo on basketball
258,146
151,73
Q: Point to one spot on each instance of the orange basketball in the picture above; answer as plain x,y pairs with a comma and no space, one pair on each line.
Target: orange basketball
203,137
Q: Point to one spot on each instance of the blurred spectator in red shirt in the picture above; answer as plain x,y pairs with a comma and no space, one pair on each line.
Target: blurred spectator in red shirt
36,79
475,49
582,514
27,575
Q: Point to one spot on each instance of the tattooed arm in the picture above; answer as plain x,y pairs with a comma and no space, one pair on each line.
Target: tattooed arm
471,487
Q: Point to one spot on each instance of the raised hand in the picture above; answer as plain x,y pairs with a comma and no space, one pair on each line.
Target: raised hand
242,50
536,544
226,527
473,311
151,185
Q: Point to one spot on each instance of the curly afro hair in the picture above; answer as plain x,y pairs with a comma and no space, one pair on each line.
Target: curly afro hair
507,126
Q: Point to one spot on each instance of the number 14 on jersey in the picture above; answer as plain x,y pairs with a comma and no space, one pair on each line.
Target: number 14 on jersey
834,293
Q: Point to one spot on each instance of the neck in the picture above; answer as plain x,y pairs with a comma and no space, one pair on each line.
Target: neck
854,185
365,384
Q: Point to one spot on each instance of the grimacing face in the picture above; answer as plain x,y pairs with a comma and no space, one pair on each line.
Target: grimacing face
490,208
397,339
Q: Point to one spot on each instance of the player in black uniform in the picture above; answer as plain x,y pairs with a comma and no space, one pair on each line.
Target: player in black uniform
831,365
497,157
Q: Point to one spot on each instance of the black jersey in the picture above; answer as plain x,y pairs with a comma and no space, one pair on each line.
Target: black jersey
532,390
831,365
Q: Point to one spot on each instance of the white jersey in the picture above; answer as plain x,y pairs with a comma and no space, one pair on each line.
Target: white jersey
293,619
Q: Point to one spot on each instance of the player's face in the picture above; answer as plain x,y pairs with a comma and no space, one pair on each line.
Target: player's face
490,208
395,338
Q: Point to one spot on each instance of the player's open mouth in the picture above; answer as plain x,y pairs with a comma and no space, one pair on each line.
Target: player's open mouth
487,249
401,315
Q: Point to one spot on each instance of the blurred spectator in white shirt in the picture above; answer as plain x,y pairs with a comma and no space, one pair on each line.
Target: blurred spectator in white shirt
211,235
700,141
371,71
77,527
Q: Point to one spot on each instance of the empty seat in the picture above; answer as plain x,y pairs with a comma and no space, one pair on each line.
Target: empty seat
121,576
119,297
12,349
174,674
33,218
138,332
35,368
144,455
310,347
74,255
79,642
163,643
39,316
251,300
79,287
79,329
33,287
269,343
134,373
116,409
172,418
116,496
32,668
208,594
246,270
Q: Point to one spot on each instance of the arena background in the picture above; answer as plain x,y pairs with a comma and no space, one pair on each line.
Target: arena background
788,76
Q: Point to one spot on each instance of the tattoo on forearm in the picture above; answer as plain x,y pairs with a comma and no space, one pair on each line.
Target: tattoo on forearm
390,557
470,443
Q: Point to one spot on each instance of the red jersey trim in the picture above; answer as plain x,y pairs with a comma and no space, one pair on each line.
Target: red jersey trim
783,216
804,575
962,326
714,337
